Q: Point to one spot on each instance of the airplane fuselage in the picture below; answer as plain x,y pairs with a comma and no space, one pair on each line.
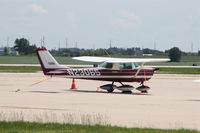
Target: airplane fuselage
131,75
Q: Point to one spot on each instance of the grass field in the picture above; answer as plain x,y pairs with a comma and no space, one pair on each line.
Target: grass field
34,60
186,60
161,71
27,127
178,71
18,69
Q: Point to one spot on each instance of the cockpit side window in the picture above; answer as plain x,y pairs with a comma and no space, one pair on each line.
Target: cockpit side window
126,66
109,65
119,66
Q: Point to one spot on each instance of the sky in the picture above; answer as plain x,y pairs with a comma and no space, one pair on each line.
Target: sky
155,24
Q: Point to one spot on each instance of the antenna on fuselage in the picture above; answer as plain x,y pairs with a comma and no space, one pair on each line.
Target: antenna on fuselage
110,44
66,41
107,53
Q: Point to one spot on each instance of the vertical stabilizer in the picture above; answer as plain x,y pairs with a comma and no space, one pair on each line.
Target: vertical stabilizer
47,61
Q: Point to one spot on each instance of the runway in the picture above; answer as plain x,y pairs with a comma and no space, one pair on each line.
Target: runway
172,102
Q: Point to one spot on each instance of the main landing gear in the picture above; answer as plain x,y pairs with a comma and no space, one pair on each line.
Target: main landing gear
111,87
125,88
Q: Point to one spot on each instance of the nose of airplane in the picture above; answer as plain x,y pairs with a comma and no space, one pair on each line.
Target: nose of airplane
156,69
150,70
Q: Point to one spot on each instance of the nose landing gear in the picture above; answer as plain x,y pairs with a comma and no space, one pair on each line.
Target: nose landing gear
143,88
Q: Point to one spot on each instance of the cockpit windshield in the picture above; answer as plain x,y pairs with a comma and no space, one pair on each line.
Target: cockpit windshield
136,65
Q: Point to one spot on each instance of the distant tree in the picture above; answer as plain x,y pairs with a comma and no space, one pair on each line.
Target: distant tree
104,52
175,54
130,51
23,47
199,52
32,49
99,52
146,51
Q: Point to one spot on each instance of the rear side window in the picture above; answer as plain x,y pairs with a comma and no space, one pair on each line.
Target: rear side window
106,65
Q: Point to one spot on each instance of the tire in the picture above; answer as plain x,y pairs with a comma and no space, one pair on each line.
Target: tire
111,89
145,91
127,92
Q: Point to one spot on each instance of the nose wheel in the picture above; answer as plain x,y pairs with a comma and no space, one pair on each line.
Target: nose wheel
145,91
143,88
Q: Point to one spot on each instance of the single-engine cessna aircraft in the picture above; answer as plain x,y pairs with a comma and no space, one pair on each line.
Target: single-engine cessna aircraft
111,69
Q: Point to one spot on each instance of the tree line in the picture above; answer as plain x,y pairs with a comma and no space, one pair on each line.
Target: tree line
104,52
23,47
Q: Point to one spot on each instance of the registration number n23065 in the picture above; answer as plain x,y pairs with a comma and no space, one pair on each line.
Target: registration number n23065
83,72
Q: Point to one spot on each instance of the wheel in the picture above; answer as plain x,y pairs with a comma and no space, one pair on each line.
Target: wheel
110,90
109,87
145,91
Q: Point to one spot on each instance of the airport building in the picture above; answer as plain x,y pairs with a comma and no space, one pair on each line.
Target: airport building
10,51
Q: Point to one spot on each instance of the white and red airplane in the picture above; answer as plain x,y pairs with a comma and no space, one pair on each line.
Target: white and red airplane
111,69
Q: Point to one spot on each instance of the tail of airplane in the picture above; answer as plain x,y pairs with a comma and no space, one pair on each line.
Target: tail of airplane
47,61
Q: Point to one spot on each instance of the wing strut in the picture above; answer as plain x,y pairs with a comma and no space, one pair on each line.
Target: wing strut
138,71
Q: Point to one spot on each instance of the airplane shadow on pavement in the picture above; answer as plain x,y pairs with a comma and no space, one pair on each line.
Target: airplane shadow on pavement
44,92
193,100
89,91
104,92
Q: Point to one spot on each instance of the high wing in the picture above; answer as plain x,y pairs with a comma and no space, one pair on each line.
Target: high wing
119,60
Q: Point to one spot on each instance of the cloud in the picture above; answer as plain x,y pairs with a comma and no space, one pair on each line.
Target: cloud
129,15
70,16
127,20
37,9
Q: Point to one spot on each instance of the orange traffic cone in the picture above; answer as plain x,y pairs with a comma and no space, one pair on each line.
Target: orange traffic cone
73,86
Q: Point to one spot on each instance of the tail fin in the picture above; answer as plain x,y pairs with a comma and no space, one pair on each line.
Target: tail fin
47,61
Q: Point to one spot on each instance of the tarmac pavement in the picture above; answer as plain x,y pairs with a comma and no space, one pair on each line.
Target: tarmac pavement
172,102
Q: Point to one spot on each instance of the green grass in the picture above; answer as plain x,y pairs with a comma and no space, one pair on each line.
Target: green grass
174,63
34,60
18,60
178,71
20,69
28,127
